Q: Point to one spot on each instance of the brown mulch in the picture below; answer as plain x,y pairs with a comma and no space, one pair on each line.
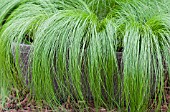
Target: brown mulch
166,103
24,103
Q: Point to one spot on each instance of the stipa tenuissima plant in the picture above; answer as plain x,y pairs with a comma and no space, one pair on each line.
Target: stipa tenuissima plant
74,50
22,23
146,41
73,37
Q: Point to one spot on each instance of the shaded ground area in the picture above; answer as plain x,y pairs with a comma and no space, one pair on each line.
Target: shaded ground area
26,104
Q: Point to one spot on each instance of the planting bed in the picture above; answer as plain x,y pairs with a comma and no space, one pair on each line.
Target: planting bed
85,54
27,104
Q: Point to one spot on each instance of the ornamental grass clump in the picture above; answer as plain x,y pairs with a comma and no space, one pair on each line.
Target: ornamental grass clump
74,45
146,41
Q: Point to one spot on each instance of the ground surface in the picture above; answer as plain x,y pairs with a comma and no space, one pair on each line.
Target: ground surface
26,104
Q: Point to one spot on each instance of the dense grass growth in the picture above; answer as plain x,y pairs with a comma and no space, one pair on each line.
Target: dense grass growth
74,43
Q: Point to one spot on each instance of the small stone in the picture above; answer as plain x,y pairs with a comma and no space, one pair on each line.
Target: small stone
12,110
102,110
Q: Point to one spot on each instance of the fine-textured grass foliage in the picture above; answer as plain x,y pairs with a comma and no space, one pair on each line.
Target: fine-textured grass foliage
146,39
74,45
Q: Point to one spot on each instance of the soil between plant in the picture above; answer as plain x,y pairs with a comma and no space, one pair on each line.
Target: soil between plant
26,104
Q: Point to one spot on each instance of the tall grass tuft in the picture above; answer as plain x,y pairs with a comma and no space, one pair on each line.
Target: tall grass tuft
18,25
146,39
